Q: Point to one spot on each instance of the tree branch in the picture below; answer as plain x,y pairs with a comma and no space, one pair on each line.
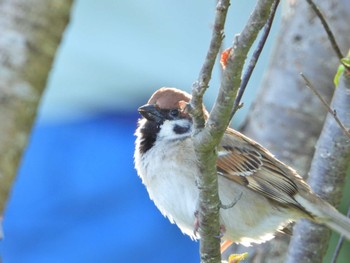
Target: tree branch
209,202
255,58
329,109
285,118
327,178
206,139
30,33
326,27
200,86
231,79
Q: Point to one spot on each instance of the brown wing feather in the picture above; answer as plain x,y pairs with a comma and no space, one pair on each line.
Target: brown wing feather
247,163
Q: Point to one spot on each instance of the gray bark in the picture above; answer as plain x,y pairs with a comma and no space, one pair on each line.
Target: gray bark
287,117
208,205
327,178
31,31
208,137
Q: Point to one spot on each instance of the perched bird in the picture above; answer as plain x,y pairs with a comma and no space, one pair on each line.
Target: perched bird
270,194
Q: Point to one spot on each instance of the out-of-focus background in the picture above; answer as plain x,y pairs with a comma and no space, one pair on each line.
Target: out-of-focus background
77,197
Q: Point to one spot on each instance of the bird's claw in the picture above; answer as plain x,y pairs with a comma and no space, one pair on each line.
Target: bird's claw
196,224
234,202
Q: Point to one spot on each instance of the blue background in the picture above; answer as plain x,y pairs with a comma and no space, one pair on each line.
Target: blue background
77,197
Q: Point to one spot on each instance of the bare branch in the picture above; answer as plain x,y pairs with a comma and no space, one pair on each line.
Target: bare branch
255,58
231,80
199,87
333,112
326,27
280,104
207,136
209,202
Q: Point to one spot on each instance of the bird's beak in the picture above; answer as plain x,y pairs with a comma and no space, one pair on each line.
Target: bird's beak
151,112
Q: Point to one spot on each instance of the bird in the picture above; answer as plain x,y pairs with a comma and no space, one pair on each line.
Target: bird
268,194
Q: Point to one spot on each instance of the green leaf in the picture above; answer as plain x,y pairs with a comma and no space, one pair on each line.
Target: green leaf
340,71
346,61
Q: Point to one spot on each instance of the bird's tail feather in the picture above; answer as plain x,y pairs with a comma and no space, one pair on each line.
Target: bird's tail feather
337,221
326,214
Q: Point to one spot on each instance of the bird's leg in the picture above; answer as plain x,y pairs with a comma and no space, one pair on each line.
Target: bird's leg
234,202
225,245
222,227
196,223
222,231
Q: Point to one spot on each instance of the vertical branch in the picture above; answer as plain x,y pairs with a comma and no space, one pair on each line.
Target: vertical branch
30,33
329,165
327,177
284,117
207,137
200,86
208,207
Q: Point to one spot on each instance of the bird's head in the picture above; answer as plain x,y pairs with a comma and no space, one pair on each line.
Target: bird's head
166,110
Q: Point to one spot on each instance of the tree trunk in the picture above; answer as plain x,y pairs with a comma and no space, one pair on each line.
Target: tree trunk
287,117
31,31
327,178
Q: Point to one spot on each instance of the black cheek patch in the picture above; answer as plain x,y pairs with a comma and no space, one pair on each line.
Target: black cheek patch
181,129
148,136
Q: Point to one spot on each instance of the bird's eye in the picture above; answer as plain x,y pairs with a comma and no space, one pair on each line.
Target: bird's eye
174,113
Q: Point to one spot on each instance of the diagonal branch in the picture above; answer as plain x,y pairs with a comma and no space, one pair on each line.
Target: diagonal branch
255,58
200,86
231,80
326,27
333,112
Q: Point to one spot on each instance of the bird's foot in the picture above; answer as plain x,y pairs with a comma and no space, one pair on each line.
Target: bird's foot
196,224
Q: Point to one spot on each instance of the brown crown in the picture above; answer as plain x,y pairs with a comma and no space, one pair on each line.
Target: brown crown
169,98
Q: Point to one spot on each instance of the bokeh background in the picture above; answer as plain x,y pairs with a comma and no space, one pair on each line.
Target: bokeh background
77,197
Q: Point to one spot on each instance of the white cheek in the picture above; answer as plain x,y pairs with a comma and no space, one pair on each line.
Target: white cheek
167,129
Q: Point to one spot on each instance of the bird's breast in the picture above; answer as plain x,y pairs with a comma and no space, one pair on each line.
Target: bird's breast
169,173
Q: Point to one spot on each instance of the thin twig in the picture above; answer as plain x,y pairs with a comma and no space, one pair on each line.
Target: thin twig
199,87
330,110
255,58
324,23
339,244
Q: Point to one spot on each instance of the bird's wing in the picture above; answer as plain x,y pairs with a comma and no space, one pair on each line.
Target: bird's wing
249,164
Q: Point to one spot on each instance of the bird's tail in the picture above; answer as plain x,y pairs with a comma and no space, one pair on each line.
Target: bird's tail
326,214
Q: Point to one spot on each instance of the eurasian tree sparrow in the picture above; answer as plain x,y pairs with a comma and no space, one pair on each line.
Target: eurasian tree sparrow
270,194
